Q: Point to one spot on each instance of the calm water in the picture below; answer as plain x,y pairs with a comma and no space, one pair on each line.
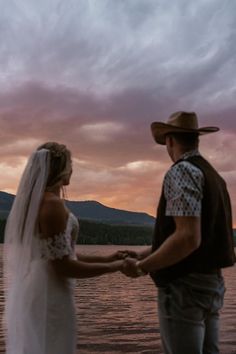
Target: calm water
119,315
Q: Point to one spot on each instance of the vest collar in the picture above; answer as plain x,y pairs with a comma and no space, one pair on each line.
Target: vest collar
188,154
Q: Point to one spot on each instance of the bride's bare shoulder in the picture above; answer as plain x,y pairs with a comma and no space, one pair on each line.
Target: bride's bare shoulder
52,203
52,214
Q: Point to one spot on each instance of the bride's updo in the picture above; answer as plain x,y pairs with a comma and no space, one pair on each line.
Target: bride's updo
60,157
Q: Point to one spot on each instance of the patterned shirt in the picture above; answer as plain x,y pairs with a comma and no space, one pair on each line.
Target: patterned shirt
183,188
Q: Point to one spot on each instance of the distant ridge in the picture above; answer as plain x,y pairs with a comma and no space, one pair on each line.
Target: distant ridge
90,210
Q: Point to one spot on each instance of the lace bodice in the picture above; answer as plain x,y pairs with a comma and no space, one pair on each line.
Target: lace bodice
63,244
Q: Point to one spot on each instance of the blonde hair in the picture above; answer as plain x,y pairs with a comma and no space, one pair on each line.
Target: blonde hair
59,158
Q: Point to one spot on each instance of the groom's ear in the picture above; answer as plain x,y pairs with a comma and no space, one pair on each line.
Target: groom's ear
170,140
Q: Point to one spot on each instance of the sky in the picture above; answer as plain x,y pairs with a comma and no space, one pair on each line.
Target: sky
94,74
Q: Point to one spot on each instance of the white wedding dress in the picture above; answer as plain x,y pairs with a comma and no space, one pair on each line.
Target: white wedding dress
47,298
39,312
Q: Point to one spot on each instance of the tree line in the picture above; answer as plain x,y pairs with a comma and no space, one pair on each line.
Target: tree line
106,234
98,233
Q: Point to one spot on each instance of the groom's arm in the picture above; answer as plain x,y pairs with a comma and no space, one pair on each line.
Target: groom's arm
145,253
184,241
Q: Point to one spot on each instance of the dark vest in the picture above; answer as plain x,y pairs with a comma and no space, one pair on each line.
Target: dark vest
216,249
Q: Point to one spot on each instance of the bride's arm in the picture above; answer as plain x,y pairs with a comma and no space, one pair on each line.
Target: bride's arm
93,258
53,223
78,269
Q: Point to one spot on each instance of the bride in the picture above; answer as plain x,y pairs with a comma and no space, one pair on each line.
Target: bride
40,261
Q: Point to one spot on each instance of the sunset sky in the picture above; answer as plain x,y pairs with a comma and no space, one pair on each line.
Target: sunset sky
94,74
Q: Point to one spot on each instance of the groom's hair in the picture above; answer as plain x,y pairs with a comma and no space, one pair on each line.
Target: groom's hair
59,158
186,140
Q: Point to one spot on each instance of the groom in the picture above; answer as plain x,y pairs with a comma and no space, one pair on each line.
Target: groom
192,241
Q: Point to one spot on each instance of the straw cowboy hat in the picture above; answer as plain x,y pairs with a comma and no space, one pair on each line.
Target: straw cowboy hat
179,122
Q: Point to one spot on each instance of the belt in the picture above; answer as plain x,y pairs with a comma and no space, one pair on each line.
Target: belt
211,271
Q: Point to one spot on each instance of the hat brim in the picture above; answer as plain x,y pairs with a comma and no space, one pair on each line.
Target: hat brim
160,130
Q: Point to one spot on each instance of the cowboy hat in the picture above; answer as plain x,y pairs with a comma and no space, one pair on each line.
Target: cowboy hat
179,122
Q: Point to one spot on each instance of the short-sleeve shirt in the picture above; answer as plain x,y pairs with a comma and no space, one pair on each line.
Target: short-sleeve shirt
183,188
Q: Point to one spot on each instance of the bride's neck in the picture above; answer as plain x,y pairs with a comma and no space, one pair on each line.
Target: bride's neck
56,190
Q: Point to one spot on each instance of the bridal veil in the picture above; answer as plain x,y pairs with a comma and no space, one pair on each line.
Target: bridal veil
25,279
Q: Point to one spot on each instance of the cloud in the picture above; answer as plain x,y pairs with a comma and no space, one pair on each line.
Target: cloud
117,187
112,46
102,131
95,74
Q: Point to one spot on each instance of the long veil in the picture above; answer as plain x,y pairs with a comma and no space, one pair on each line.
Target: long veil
25,283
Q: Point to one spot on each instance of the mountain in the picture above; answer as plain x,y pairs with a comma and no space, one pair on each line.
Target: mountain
90,210
6,201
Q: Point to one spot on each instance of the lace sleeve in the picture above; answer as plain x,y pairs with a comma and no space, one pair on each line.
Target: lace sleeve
56,247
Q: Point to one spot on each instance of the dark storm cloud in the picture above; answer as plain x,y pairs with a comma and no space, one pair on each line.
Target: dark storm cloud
95,74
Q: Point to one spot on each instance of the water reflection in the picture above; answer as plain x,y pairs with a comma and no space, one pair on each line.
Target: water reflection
119,315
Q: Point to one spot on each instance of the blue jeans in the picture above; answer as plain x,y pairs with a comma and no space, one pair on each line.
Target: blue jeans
188,310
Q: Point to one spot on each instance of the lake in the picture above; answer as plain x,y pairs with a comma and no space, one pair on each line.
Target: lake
119,315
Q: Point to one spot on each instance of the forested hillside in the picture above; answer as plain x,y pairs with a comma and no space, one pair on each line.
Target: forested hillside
102,234
89,210
92,233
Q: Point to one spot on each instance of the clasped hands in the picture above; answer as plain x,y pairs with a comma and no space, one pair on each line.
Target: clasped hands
129,266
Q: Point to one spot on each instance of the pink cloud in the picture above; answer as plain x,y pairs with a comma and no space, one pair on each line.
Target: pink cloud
34,113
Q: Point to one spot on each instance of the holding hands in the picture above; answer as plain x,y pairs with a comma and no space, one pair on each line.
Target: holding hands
128,263
125,261
122,255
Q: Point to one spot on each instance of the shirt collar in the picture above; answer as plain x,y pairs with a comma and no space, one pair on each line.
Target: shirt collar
190,153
